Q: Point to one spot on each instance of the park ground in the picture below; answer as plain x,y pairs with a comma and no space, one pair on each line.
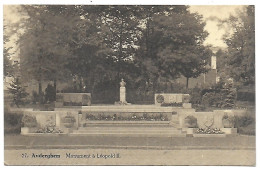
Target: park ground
230,150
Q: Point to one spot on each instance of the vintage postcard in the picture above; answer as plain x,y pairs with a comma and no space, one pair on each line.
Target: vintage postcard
129,85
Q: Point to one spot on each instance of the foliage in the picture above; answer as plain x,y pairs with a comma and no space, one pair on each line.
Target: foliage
35,97
8,67
209,131
212,99
241,45
99,45
49,126
248,130
12,122
222,95
134,117
191,121
49,130
196,96
29,121
243,121
245,124
18,92
50,94
171,104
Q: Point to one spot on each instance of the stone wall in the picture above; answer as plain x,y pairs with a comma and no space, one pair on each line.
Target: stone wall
73,99
46,118
204,119
209,119
172,98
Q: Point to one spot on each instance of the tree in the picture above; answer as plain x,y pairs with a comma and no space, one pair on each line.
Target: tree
45,43
18,92
148,59
122,23
8,67
241,45
180,50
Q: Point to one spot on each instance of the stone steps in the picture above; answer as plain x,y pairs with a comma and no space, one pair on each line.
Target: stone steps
128,134
131,131
149,124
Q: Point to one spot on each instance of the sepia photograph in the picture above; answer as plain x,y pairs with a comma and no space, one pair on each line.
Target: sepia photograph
170,85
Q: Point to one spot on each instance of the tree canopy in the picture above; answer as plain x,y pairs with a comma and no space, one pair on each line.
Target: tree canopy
241,45
101,44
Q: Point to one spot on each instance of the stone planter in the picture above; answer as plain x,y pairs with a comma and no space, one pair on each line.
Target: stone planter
227,123
68,124
68,121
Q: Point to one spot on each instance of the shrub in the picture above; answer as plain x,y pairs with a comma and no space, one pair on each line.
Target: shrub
134,117
248,130
12,122
245,124
196,96
50,94
191,122
212,99
209,131
171,104
243,121
29,121
18,93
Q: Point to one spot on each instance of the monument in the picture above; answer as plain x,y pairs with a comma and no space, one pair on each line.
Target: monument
122,91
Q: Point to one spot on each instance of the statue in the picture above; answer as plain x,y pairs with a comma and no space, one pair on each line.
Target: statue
122,83
122,91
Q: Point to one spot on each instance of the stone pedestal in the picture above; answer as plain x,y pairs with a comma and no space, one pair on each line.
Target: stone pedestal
122,94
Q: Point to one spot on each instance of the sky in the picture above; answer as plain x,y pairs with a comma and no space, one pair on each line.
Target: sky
213,11
207,11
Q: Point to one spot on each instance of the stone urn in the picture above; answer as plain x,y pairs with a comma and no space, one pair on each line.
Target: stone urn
228,121
68,121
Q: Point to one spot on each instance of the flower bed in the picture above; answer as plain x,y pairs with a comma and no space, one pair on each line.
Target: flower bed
134,117
49,130
209,131
171,104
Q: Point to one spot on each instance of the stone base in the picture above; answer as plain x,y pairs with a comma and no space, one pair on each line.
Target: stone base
209,135
229,130
186,105
27,130
190,130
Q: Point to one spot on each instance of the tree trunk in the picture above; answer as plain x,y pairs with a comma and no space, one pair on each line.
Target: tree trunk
40,92
55,88
187,82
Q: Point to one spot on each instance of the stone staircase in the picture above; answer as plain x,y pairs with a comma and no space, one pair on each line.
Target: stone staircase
131,128
131,131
